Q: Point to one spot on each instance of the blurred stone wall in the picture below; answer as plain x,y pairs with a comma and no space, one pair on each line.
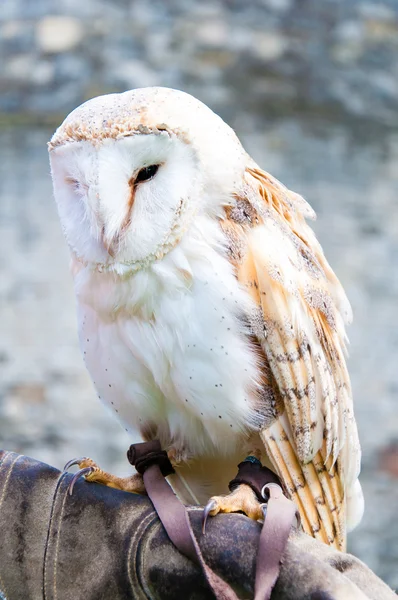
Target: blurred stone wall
330,56
311,87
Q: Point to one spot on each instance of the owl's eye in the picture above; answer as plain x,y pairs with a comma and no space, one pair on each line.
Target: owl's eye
146,173
78,186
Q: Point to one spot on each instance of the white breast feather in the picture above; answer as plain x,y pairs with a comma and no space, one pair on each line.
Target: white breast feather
166,345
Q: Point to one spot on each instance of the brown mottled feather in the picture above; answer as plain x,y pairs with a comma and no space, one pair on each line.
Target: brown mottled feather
313,441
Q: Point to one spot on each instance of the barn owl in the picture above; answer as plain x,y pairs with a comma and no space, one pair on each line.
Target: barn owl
208,315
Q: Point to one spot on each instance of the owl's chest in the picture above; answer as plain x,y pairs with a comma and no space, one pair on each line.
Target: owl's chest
174,359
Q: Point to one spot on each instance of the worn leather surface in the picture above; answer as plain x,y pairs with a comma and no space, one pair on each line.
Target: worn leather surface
102,543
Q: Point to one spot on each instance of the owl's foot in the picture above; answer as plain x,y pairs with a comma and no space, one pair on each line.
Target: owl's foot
241,499
91,472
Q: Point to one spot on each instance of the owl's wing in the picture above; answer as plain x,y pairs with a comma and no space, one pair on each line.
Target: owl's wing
299,322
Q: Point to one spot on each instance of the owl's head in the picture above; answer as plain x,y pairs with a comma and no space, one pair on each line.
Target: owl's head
131,171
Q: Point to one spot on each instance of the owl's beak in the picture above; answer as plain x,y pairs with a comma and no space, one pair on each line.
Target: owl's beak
110,244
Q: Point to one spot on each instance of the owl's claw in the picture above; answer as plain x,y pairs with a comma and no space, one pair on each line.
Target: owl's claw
92,473
81,473
211,505
86,467
74,461
241,499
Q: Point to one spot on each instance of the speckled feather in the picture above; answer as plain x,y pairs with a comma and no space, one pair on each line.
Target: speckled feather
300,324
211,320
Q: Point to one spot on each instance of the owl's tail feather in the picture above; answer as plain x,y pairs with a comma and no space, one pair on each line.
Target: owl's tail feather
316,487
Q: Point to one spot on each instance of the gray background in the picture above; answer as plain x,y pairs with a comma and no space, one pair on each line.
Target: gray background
312,90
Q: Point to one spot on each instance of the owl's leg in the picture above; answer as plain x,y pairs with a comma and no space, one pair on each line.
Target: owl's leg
241,499
91,472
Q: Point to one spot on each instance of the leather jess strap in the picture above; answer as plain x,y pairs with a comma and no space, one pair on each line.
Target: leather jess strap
148,458
172,512
281,513
153,464
252,473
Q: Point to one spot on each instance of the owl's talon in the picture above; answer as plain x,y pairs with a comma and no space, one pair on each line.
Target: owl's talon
81,473
74,461
211,505
93,473
242,499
